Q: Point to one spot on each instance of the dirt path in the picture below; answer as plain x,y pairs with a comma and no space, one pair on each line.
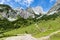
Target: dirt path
22,37
29,37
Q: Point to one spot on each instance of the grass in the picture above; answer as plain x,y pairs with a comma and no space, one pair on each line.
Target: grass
44,28
55,37
47,26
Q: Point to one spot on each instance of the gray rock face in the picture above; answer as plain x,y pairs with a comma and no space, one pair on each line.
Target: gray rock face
38,10
7,12
24,13
56,7
58,2
12,15
30,12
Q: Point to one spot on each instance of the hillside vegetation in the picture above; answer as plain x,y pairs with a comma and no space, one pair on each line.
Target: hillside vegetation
38,28
55,37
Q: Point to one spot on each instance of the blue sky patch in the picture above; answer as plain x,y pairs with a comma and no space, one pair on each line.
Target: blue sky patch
45,4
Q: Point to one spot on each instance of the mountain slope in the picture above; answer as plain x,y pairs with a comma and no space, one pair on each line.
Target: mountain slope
41,27
37,27
55,7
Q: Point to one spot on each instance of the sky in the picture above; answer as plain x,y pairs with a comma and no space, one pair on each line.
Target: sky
45,4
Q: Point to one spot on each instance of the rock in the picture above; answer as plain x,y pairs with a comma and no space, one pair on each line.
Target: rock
23,37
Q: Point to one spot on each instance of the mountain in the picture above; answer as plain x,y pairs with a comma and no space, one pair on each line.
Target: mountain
37,12
45,25
55,8
7,12
30,12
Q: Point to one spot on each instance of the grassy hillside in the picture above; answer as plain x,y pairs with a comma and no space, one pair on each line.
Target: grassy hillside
38,28
55,37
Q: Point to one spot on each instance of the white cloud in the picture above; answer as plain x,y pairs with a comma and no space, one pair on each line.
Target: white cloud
8,0
51,1
24,2
2,1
